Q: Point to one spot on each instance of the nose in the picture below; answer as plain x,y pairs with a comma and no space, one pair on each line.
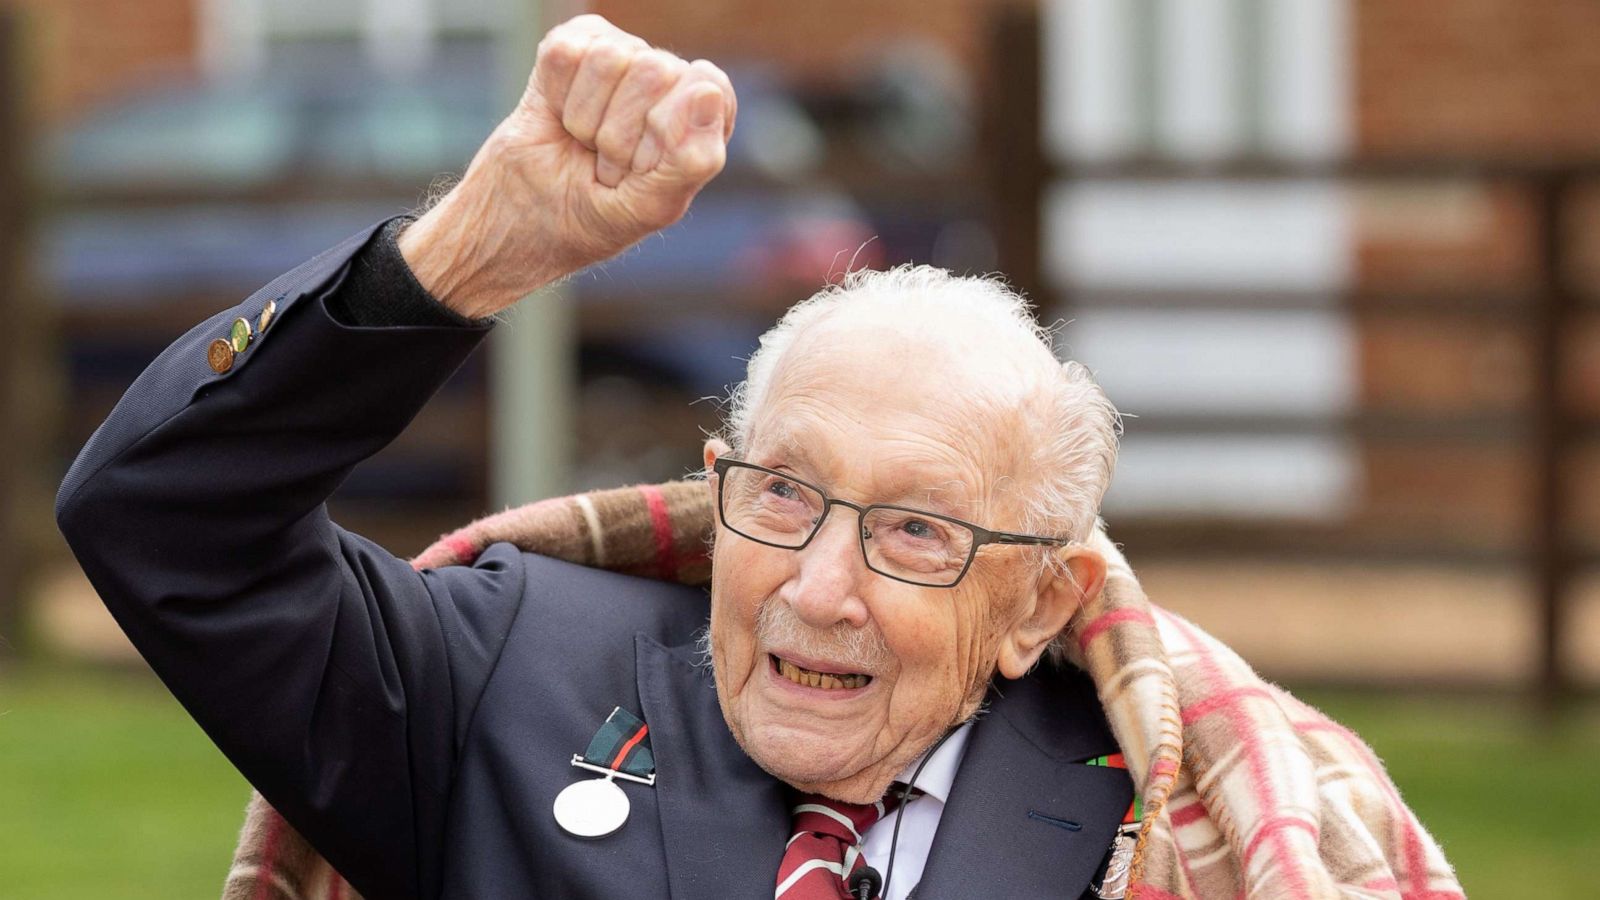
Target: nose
825,589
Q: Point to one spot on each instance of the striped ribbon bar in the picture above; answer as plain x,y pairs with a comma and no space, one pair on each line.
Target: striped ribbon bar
622,745
1115,761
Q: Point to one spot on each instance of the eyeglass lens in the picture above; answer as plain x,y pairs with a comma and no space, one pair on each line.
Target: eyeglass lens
911,545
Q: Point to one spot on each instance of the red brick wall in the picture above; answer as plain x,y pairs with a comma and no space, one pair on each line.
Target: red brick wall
811,39
88,52
1516,78
1511,80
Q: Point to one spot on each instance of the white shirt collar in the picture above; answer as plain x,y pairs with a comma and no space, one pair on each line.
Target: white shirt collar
940,773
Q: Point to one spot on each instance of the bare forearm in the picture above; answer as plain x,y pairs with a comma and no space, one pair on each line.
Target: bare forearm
472,256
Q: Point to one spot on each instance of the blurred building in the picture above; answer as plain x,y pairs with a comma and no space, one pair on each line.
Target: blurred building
1317,248
192,150
1337,376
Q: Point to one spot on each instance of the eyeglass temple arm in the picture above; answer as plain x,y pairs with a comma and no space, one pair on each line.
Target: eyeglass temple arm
1006,537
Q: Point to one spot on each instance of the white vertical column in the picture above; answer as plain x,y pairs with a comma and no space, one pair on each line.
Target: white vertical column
232,37
1306,92
1092,106
1200,66
398,34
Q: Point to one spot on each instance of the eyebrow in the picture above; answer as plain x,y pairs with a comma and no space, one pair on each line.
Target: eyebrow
927,498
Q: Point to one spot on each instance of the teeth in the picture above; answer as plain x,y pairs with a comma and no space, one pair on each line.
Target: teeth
822,680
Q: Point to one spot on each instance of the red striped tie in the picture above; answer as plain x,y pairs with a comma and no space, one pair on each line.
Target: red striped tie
826,846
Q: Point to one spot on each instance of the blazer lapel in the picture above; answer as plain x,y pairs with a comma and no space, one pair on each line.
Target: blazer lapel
724,821
1026,817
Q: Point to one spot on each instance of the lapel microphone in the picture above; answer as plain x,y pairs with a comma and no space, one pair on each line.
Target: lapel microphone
865,883
905,797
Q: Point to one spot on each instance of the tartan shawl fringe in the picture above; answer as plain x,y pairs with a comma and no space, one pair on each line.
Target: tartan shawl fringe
1247,791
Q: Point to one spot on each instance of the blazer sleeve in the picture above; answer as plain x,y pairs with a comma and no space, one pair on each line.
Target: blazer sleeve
339,680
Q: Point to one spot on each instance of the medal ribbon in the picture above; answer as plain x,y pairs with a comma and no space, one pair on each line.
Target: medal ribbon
1115,761
622,744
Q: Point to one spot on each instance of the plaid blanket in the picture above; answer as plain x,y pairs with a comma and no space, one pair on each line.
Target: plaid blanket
1247,792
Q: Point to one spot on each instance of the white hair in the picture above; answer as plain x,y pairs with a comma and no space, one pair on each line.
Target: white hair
1074,446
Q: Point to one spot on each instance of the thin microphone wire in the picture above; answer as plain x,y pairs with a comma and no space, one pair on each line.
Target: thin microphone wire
905,794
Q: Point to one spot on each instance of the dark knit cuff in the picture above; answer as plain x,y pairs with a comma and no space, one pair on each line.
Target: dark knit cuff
381,290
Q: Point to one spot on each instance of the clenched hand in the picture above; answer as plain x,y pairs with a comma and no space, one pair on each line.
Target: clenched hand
611,141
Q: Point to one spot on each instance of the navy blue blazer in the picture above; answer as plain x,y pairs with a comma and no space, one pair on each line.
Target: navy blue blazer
417,726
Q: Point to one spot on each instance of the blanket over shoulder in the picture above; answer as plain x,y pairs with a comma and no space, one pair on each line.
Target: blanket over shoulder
1247,792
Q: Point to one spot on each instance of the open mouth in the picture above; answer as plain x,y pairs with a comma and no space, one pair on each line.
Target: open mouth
827,681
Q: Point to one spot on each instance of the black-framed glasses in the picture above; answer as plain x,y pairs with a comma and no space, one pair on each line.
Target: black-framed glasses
899,542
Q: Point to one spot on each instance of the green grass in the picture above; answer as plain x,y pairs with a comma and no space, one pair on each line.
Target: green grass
107,789
1514,801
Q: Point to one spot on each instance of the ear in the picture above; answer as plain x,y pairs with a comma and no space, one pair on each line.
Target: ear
714,448
1057,597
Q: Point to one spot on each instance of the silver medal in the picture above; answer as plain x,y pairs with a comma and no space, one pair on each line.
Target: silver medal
591,809
598,807
1115,885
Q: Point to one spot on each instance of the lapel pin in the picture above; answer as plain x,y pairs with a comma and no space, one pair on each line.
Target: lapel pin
598,807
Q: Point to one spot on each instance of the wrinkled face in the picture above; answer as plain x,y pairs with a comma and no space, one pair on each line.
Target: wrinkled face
833,677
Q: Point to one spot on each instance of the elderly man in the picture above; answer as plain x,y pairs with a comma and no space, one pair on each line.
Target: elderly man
904,490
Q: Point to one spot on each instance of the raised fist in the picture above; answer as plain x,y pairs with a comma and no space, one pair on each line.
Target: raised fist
611,141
